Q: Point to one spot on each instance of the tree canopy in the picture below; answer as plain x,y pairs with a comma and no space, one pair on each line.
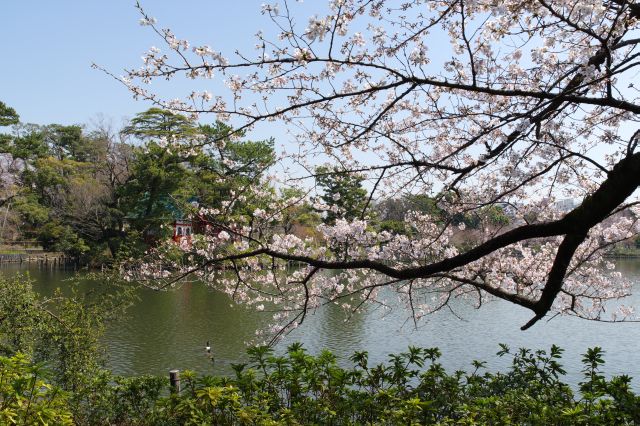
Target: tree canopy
342,192
8,115
102,194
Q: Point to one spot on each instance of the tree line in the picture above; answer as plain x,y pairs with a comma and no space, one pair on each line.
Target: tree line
102,193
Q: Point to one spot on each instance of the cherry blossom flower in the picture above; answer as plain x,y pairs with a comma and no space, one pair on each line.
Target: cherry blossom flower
479,105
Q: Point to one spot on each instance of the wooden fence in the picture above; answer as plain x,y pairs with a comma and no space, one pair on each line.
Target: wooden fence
43,259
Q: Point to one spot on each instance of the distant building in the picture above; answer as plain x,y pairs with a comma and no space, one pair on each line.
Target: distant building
186,225
182,230
181,221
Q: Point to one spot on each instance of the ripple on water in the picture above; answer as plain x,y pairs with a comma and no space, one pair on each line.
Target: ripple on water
167,330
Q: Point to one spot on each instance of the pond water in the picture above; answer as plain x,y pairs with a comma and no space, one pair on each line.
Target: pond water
168,330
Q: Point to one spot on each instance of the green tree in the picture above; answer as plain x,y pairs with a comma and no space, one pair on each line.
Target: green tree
93,201
84,193
344,191
27,143
63,333
156,123
158,170
156,175
298,215
64,330
391,212
65,142
67,185
229,167
8,115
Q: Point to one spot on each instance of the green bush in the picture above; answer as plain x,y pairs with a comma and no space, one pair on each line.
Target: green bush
411,388
301,389
26,398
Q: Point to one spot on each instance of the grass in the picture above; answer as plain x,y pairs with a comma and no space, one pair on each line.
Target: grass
11,251
17,249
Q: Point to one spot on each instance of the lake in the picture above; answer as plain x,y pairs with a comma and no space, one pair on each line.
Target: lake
168,330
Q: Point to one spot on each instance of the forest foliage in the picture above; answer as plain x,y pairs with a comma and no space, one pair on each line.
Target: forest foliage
102,194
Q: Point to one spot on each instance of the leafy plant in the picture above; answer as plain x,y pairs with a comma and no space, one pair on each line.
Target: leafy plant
26,398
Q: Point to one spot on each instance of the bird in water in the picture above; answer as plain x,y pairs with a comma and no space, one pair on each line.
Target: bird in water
209,354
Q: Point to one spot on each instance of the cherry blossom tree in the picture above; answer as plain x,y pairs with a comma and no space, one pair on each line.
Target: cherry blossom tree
477,103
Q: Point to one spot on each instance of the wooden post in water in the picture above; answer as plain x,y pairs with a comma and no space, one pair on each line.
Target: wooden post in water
174,380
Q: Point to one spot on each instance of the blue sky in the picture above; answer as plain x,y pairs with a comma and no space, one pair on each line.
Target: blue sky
48,48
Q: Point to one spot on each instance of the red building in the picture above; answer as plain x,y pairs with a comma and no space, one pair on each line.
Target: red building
184,228
182,231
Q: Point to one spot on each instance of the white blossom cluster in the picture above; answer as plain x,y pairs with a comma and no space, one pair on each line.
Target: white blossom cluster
478,104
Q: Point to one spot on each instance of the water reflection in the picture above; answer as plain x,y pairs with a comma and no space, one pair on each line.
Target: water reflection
167,330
